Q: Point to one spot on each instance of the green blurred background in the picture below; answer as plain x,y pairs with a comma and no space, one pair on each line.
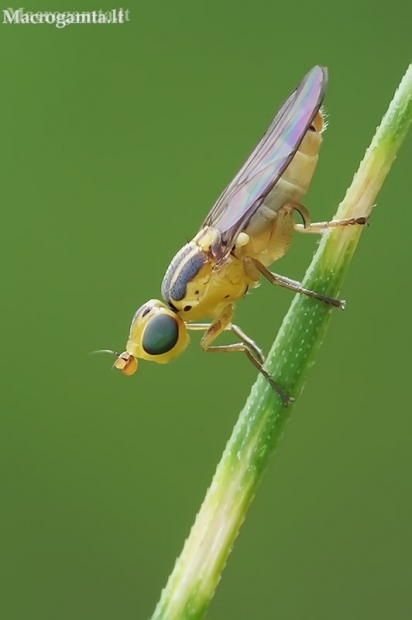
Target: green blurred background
115,142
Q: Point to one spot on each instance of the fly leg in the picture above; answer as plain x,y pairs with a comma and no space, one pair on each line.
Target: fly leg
252,264
322,227
247,345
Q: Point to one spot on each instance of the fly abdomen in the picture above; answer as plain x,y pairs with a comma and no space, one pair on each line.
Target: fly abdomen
183,268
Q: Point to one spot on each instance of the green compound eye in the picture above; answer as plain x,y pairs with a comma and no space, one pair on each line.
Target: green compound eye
160,335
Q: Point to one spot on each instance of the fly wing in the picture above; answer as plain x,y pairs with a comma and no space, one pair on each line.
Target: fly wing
243,196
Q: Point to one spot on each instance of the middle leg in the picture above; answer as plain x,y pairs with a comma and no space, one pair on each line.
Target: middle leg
252,264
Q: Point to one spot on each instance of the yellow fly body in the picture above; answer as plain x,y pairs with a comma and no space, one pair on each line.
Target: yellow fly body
249,227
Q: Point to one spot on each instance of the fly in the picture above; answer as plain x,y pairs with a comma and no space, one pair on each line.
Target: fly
250,227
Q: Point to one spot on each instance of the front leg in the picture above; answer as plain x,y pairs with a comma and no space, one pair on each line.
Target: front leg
247,345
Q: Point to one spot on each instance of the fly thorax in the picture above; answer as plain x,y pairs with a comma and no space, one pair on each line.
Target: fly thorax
209,240
183,269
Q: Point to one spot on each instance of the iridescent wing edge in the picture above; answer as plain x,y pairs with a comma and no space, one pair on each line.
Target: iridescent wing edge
268,161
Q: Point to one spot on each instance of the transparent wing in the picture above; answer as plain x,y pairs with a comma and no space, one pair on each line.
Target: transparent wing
243,196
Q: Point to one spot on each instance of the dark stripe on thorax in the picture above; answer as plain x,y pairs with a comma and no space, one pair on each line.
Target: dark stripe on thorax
183,268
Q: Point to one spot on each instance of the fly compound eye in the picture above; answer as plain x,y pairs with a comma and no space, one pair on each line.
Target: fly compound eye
127,363
160,335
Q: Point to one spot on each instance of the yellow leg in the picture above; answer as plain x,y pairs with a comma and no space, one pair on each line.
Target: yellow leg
252,264
322,227
248,346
